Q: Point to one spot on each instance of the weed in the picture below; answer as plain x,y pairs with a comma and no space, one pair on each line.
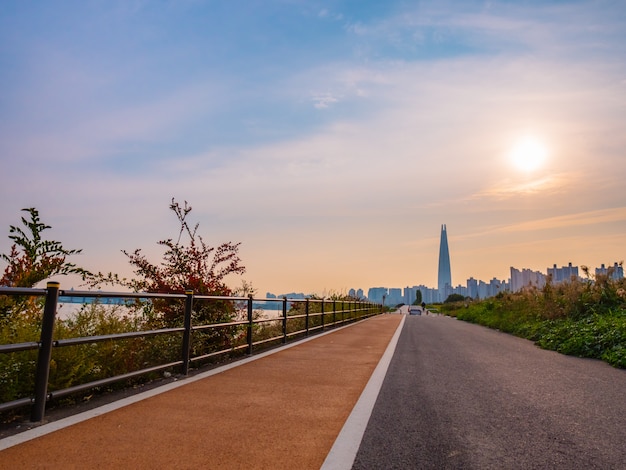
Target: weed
585,318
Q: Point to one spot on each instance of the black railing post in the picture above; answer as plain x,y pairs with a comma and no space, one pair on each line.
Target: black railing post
249,332
334,312
306,318
187,332
322,314
284,320
45,352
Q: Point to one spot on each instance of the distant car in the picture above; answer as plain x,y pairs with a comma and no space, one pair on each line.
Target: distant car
415,310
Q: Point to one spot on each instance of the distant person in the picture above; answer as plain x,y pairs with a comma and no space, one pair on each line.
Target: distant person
424,308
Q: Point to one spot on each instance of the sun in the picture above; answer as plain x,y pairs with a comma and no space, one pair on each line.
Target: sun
528,154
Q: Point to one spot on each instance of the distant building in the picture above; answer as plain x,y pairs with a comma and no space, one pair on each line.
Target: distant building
410,294
563,274
526,278
356,294
483,290
495,287
461,290
375,294
295,295
472,288
394,296
445,292
444,275
429,295
615,272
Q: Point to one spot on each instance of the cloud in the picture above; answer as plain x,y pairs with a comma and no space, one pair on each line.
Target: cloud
547,186
549,29
326,14
568,225
324,100
441,130
596,217
75,137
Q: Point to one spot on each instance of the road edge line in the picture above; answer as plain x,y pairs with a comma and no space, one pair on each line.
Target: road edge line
344,450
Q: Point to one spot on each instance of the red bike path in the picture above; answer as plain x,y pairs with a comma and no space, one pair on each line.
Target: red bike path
282,410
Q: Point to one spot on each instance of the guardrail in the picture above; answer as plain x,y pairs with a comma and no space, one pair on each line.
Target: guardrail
325,314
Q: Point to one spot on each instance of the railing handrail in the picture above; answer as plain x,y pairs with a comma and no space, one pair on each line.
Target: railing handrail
22,291
350,310
165,295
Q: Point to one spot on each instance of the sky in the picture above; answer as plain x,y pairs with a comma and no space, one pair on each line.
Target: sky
332,139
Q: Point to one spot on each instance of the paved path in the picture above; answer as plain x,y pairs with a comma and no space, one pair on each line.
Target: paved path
460,396
284,410
455,396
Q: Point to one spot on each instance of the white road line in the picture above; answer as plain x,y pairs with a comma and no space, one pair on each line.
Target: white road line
346,446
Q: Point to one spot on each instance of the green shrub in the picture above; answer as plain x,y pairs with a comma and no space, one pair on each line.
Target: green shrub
582,318
79,364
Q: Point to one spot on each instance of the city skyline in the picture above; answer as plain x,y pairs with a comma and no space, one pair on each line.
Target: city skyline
479,288
331,138
476,288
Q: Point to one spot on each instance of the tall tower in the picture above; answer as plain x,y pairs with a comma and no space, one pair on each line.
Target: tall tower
445,277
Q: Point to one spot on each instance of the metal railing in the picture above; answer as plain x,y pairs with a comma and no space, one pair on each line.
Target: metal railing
306,315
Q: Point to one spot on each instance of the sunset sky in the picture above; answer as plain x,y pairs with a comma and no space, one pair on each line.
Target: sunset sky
331,138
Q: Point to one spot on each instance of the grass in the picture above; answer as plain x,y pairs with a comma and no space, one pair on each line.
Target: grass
584,318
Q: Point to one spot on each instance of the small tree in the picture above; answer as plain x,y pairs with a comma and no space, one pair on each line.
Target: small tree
32,259
454,298
418,297
194,265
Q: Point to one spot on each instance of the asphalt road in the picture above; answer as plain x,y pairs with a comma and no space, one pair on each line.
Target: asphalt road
460,396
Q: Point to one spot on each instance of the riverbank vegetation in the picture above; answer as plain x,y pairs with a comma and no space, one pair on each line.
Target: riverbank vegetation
582,317
188,264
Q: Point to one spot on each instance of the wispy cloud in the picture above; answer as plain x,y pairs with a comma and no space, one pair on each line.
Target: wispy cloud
546,186
600,216
566,224
324,100
326,14
469,28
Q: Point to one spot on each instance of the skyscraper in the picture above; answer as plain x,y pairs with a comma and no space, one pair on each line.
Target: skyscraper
445,277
